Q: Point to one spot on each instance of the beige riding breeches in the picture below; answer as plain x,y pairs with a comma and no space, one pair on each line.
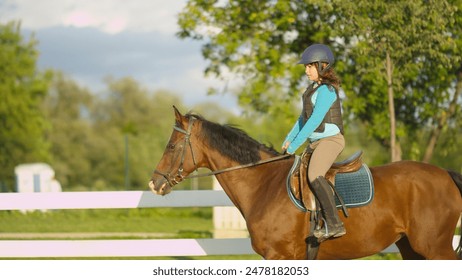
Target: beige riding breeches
325,152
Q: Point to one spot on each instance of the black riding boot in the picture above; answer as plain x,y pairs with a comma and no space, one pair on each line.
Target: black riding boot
333,226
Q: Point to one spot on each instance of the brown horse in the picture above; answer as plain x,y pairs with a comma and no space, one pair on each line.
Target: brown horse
416,205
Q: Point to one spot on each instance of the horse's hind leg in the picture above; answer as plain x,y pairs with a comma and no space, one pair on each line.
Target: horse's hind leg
436,246
406,251
434,240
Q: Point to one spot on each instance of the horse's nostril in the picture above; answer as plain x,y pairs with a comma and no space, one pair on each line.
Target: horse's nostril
152,186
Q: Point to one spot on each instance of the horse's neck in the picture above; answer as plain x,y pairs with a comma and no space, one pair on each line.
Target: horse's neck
242,186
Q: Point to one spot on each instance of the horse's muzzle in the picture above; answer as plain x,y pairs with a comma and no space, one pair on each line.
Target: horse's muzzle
161,187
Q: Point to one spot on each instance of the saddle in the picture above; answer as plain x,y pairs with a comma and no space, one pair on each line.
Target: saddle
298,182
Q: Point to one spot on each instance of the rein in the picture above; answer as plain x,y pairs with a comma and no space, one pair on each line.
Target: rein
173,180
239,167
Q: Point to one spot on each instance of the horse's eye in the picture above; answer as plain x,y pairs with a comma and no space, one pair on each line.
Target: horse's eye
171,146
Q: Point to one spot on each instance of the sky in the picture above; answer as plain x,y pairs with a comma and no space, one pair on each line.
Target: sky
90,40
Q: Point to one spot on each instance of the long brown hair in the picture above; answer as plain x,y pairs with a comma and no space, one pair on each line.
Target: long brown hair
330,77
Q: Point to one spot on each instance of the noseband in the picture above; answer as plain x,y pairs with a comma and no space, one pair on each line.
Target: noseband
178,177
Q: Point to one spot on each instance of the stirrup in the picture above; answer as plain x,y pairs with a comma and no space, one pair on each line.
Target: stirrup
323,234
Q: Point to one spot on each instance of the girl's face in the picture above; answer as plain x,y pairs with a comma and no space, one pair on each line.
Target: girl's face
311,71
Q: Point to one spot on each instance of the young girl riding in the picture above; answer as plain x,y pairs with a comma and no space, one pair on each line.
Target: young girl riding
320,123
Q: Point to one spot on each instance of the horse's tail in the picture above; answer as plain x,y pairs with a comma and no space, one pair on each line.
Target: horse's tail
457,177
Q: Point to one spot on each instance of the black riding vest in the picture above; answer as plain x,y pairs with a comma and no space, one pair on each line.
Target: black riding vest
334,115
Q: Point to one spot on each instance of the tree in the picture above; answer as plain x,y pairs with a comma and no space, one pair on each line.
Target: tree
385,53
130,112
409,47
449,113
68,107
22,89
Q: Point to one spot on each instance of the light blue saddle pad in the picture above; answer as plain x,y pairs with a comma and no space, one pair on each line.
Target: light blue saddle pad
355,188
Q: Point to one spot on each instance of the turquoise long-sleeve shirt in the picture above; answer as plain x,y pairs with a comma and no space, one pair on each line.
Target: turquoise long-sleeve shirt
322,99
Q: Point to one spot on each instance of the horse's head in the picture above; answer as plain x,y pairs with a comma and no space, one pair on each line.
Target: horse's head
178,160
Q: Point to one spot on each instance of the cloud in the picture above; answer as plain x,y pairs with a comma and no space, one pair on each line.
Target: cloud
90,40
156,60
111,16
89,49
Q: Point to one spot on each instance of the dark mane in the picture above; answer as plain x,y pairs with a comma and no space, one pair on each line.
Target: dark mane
232,142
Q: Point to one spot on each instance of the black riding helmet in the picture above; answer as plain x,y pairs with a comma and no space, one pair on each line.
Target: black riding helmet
318,53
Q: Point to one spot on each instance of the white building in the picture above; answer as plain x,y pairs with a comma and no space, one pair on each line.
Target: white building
36,177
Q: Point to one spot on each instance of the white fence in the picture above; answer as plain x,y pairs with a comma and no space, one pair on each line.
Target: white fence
111,200
118,248
121,248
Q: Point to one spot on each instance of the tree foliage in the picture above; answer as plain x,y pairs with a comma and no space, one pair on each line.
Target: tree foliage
89,132
404,59
22,89
67,108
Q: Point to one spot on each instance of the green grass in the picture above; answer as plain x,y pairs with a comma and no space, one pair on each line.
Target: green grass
381,256
109,220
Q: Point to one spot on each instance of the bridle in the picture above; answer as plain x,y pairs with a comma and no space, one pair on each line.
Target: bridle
178,177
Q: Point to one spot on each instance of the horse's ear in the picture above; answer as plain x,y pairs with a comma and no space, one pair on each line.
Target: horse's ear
178,115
